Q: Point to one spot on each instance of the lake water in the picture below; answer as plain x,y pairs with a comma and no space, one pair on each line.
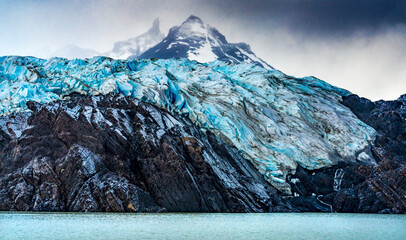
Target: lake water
201,226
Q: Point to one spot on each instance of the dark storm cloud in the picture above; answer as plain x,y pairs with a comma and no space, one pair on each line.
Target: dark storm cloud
320,16
359,45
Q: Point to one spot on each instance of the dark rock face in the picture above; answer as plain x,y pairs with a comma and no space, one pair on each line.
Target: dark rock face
362,188
356,188
389,177
111,153
388,118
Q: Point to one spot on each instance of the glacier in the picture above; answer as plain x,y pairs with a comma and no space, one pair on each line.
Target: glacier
276,121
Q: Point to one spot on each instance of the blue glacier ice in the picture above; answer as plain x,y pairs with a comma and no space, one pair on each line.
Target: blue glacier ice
276,121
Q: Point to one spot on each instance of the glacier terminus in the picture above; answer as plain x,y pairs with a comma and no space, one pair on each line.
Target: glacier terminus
276,121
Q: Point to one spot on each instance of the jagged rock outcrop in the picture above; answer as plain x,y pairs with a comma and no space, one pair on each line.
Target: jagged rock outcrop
134,47
114,153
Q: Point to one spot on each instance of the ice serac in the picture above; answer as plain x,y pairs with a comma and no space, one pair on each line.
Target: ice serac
198,41
134,47
276,121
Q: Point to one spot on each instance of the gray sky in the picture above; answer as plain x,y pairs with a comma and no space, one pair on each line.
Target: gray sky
357,45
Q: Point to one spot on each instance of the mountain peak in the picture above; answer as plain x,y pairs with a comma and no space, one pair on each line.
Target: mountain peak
193,18
193,27
198,41
134,47
155,25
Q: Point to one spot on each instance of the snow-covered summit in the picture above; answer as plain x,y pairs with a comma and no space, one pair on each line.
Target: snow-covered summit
136,46
198,41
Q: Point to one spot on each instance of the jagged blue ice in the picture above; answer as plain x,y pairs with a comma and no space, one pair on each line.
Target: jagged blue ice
276,121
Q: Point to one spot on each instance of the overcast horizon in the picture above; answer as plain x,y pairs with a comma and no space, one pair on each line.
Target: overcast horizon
357,46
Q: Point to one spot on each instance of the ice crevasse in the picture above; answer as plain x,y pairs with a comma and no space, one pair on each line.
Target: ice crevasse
276,121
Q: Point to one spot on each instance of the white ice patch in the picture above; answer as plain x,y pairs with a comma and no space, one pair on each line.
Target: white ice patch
73,112
90,161
176,43
338,179
295,180
170,121
160,133
87,112
141,117
203,54
118,132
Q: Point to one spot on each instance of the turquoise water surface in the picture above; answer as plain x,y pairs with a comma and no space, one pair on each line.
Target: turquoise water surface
201,226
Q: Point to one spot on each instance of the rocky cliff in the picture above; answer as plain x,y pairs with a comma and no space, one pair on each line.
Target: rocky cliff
114,153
